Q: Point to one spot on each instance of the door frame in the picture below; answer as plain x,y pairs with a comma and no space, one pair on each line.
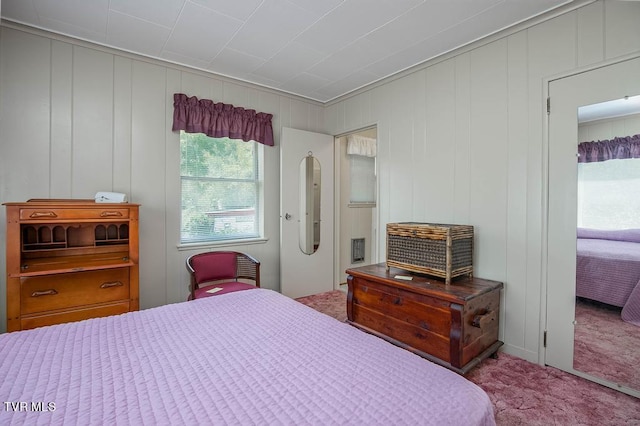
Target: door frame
336,192
544,314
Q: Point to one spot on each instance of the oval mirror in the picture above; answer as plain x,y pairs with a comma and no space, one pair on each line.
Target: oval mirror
309,233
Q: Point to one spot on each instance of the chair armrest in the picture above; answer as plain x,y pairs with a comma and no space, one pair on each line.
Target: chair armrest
248,267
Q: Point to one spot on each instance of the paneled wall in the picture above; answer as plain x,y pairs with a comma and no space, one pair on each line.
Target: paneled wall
461,140
77,119
609,128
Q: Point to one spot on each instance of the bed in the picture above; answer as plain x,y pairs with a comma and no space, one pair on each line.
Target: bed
608,269
249,357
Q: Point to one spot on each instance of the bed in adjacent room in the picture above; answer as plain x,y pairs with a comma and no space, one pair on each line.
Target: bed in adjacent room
608,269
250,357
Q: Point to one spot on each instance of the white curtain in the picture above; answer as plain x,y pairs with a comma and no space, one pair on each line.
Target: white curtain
361,145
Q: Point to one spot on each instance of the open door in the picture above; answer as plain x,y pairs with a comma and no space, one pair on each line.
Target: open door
567,95
306,213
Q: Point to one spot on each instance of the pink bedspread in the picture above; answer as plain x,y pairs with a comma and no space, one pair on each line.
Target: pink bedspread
251,357
608,271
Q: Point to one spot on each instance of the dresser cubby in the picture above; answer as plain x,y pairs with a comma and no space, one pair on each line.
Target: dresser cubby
69,260
50,237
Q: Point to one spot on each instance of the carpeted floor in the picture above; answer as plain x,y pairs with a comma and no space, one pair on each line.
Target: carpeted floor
524,393
600,334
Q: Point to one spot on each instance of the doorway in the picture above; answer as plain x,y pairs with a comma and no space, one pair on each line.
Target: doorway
567,96
356,192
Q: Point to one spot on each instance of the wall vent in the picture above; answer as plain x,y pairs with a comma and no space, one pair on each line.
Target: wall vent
357,250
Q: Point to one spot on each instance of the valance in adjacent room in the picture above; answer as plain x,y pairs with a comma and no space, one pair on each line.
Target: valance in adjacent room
218,120
616,148
361,145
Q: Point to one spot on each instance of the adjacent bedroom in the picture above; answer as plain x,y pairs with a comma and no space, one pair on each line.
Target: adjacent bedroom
608,241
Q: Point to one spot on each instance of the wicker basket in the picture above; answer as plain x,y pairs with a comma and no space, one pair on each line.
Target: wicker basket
443,251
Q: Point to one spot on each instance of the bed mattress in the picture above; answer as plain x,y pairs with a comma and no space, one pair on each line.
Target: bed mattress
250,357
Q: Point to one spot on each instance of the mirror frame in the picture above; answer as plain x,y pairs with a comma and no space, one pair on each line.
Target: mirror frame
310,205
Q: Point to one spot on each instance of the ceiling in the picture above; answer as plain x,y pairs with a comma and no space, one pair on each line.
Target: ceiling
318,49
610,109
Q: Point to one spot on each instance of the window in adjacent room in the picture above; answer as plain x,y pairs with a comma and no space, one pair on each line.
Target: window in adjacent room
363,180
609,194
221,189
361,151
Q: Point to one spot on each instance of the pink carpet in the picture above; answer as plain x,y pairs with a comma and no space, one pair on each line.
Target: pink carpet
524,393
332,303
600,334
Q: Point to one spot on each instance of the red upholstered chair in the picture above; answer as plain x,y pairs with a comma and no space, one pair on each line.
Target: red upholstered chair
221,270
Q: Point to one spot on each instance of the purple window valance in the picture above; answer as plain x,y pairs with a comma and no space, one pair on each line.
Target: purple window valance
616,148
219,120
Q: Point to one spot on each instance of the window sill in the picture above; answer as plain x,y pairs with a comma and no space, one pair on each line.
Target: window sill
218,244
361,205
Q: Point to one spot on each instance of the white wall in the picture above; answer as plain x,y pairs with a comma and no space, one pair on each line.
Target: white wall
609,128
77,119
460,140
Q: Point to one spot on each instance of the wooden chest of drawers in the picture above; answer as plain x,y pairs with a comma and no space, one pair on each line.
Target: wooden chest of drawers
454,325
69,260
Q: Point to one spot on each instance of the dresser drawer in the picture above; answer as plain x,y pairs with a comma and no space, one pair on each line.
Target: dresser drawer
63,291
41,214
34,321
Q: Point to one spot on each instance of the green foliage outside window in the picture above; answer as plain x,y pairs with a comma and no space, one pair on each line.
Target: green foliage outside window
220,188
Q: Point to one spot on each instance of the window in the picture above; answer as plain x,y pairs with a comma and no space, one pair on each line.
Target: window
221,189
609,194
363,180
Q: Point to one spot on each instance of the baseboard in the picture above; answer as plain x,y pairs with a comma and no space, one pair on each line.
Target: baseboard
519,352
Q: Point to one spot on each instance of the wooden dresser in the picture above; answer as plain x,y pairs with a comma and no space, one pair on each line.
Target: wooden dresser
69,260
454,325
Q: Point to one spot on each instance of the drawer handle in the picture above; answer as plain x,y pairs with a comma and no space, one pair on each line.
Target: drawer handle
111,284
49,292
110,214
35,215
481,319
